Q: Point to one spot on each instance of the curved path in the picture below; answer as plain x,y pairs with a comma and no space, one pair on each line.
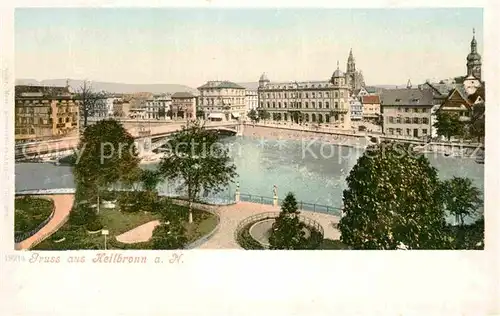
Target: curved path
62,206
139,234
231,215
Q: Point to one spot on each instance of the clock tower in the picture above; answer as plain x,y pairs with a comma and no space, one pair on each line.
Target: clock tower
474,59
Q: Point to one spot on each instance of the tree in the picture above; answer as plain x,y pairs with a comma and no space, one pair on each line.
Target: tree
107,155
461,198
448,124
476,125
393,198
161,112
264,114
288,232
200,114
89,101
171,233
195,156
253,116
169,113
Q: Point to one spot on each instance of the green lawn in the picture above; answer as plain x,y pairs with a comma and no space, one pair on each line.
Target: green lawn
30,212
119,222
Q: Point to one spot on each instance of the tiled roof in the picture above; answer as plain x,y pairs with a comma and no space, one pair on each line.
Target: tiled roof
45,90
406,97
221,85
374,99
182,95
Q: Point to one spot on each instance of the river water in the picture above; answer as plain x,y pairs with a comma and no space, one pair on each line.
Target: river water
314,171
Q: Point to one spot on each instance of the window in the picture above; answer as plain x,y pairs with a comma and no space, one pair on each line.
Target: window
424,110
327,94
425,120
391,131
60,120
398,100
407,120
307,105
408,131
279,105
399,131
327,104
268,105
286,95
284,104
415,110
416,120
336,94
391,119
67,120
341,94
319,105
274,104
424,131
320,95
307,95
313,95
336,105
313,105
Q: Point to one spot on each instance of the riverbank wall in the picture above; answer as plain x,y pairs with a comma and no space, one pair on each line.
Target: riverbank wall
359,140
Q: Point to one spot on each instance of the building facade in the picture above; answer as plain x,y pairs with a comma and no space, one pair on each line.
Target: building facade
407,112
158,107
222,101
356,109
183,106
307,102
45,112
251,100
371,108
121,108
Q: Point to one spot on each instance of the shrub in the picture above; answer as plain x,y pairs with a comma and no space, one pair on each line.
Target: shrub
94,226
82,214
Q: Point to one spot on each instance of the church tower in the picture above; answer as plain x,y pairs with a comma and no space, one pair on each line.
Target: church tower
351,64
474,59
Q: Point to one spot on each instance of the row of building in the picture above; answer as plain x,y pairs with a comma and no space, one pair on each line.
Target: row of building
344,99
44,112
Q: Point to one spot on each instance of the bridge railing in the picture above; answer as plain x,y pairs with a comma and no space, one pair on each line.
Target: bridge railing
305,206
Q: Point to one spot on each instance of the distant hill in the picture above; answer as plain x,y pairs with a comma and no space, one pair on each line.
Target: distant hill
112,87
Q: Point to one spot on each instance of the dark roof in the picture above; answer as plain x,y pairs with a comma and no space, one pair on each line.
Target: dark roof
221,85
406,97
371,89
44,90
373,99
182,95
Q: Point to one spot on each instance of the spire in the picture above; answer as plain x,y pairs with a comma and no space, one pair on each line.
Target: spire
350,55
473,43
408,85
337,64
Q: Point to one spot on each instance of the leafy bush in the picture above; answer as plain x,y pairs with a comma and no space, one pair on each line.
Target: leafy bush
82,214
30,212
58,235
94,226
330,244
246,241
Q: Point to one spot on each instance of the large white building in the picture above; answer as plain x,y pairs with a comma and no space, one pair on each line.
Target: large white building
251,100
158,107
356,109
307,102
222,101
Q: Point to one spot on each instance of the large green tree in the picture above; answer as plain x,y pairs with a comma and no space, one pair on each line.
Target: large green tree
448,124
106,155
253,115
288,232
393,199
476,124
462,199
197,158
263,114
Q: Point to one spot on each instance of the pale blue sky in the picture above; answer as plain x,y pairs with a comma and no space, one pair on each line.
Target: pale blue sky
190,46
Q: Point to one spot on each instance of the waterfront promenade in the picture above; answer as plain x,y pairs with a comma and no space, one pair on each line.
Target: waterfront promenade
62,207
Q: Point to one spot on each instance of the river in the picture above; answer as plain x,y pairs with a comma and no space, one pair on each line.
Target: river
315,172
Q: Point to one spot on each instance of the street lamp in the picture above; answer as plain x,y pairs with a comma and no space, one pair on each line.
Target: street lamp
105,233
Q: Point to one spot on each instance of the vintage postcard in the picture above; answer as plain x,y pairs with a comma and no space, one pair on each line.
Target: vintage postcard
141,130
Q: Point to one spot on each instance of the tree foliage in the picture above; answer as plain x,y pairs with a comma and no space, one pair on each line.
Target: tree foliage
196,157
476,124
107,154
393,198
288,232
253,115
171,233
461,198
264,114
448,124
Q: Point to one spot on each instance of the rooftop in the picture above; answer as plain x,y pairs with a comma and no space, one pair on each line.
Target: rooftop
407,96
373,99
182,95
221,85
